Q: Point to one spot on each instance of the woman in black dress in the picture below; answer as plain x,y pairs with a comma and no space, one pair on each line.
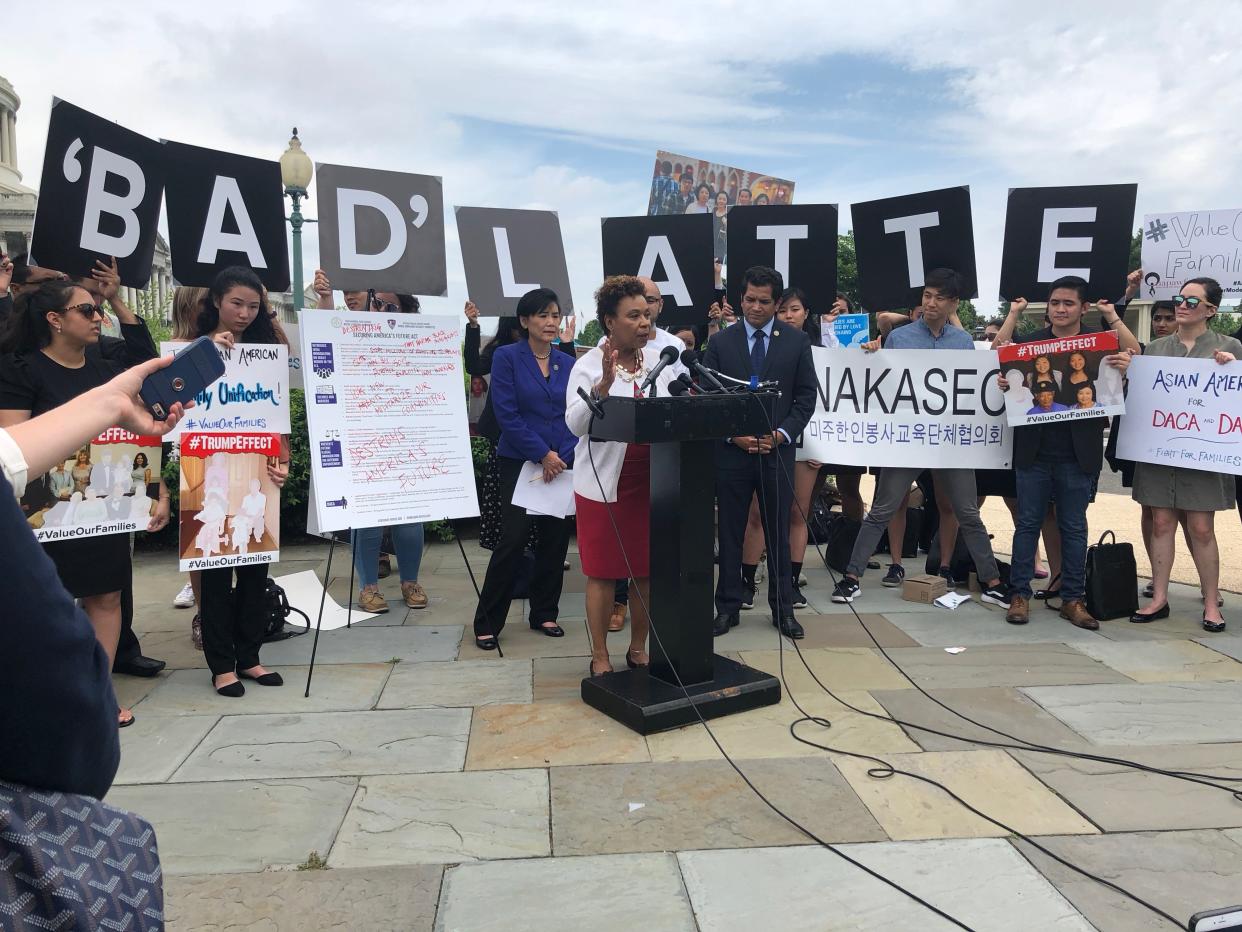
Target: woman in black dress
236,311
53,352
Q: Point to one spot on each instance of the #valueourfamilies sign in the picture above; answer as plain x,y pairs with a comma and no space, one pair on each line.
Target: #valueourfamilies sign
938,409
1191,244
252,395
1183,412
1061,380
387,417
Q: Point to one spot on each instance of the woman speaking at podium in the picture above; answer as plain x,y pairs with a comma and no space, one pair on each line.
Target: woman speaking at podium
610,476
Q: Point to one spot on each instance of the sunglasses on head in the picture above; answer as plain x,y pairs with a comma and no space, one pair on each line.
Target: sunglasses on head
1191,302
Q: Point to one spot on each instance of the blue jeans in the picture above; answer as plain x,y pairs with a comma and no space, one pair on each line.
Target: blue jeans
407,539
1036,485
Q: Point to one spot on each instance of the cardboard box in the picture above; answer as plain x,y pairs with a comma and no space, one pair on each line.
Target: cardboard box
923,588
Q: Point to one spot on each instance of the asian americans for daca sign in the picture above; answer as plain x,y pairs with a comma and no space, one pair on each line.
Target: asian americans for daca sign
941,409
1183,412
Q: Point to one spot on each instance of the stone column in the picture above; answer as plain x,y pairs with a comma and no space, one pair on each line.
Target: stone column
5,135
12,135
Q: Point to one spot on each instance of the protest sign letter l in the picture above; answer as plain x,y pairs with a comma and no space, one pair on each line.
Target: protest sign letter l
781,235
1052,242
913,227
226,195
504,260
659,248
99,201
348,200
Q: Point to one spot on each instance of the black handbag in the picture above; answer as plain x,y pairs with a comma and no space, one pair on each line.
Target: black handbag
277,610
1112,579
73,862
842,532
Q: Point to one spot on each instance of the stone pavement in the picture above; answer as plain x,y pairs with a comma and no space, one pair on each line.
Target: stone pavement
428,785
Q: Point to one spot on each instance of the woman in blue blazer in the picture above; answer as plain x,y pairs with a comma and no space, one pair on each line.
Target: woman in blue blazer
528,398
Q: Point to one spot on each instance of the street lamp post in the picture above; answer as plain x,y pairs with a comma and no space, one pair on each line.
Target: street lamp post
296,171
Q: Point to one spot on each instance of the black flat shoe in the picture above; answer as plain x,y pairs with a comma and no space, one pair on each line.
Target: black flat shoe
125,723
629,661
789,627
138,666
231,691
1141,618
723,622
594,675
552,631
487,643
267,679
1213,627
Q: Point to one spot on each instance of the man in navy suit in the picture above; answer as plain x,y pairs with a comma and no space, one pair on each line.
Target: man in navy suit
760,346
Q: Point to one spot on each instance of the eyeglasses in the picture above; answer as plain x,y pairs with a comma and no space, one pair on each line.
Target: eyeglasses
86,310
652,302
1191,302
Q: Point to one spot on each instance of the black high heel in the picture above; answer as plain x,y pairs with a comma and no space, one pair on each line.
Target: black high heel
594,675
485,643
233,690
629,660
267,679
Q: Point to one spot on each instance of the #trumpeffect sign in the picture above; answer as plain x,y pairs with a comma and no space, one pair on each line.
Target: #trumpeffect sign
1183,412
938,408
1061,380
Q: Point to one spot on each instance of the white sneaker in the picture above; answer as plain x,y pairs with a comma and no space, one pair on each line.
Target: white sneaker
184,598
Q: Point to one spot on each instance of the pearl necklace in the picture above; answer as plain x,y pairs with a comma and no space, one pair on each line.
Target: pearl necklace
640,372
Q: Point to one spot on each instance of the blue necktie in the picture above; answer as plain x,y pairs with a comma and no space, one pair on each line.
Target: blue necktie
757,354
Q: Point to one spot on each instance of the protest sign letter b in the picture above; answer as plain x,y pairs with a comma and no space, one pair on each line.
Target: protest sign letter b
100,201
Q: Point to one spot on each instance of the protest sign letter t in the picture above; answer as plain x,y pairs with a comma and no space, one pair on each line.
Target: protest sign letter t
913,227
100,201
781,235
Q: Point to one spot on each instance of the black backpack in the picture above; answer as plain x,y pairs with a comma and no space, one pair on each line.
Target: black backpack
1112,579
276,610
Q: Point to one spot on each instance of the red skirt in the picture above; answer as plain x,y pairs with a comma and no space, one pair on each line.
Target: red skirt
597,541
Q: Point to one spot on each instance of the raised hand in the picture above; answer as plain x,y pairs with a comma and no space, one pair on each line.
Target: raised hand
472,314
109,278
568,329
609,373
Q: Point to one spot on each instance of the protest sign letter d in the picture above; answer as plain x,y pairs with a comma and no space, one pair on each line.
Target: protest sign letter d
348,200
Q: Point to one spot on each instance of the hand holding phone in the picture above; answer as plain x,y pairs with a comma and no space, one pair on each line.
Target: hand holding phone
193,368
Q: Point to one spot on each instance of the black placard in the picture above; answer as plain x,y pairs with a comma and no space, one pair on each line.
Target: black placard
675,251
506,253
1051,232
798,240
899,239
99,196
236,204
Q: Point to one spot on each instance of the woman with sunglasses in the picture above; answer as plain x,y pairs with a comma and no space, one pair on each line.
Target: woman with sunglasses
54,352
1199,494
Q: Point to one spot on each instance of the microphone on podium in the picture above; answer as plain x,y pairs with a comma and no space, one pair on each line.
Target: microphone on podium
677,388
690,359
668,356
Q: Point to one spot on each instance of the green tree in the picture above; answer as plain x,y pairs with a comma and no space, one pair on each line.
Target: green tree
1136,251
591,333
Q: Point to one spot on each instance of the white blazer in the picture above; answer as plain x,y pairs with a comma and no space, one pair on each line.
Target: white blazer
609,455
662,338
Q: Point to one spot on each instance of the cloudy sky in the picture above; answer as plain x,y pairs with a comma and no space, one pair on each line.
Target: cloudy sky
562,106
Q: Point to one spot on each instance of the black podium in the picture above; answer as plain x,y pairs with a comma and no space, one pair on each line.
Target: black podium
683,432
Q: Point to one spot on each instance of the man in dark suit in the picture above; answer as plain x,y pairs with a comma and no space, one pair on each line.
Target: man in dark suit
760,346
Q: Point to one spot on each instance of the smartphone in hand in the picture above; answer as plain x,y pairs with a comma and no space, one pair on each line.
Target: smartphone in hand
193,368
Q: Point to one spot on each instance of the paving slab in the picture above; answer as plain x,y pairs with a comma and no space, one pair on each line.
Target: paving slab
615,893
615,808
214,828
559,679
379,898
445,818
1002,665
1164,661
546,734
762,733
941,628
1179,872
1147,713
844,630
982,882
845,668
334,688
409,643
1122,799
156,745
175,648
1004,709
519,642
131,690
989,780
446,684
1228,644
329,744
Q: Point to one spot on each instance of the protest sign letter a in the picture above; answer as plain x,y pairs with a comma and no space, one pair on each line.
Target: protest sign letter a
675,251
506,253
99,196
1053,232
899,239
799,241
382,230
225,209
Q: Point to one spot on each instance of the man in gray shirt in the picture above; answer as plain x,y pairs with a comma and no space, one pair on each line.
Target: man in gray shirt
931,331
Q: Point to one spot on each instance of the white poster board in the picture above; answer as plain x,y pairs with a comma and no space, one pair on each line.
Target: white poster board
1183,412
252,395
386,410
1191,244
931,408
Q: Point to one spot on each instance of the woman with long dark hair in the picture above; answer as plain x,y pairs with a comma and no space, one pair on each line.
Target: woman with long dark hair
236,311
54,352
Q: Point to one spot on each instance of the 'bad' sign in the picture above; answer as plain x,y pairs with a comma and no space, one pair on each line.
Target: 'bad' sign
798,240
381,230
899,239
225,209
99,196
677,252
506,253
1053,232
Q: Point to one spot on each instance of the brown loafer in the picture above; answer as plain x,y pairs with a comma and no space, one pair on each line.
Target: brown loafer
1019,610
617,621
1075,612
